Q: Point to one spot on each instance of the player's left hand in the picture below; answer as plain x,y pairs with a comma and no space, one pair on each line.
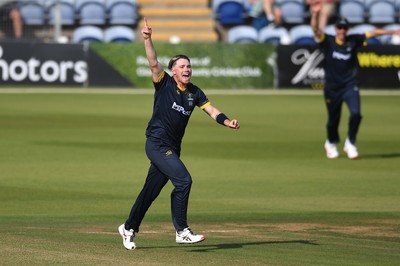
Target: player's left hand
234,124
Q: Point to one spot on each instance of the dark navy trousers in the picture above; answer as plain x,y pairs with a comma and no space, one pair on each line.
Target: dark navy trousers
165,165
334,100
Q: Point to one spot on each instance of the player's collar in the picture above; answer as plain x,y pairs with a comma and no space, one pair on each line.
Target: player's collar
339,42
180,88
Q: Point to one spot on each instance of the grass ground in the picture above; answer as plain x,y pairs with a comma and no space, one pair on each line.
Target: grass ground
71,166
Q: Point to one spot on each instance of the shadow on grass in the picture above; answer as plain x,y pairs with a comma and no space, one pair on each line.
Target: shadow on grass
206,248
380,156
215,247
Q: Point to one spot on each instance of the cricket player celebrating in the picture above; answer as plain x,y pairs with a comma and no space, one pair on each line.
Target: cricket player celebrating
175,98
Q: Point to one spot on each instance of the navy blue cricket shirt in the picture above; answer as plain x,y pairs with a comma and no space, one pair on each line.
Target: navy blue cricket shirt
172,109
340,60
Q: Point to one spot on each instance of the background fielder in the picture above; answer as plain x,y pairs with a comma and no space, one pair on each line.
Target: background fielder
341,69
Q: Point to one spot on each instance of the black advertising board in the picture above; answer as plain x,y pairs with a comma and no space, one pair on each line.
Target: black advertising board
29,63
301,66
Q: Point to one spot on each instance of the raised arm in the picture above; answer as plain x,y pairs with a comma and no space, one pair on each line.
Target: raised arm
379,32
155,66
315,8
221,118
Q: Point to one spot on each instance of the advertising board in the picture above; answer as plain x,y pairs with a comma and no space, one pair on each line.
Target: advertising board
32,64
302,67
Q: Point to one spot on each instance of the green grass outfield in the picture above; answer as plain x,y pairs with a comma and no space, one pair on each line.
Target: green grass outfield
71,166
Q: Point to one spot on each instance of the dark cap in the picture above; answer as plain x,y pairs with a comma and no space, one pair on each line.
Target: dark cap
341,21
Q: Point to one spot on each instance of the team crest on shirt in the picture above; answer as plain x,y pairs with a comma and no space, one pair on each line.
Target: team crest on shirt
190,99
168,152
178,92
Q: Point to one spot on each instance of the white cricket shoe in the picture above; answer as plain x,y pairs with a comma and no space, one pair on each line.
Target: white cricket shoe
350,149
331,150
188,237
128,237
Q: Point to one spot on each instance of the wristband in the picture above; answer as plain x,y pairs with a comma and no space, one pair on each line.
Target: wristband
221,118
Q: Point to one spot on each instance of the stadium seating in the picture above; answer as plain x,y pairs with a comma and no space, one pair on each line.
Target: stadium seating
275,36
91,12
353,10
330,29
302,35
87,34
229,12
293,12
381,12
397,6
279,2
122,12
362,28
369,2
242,34
67,11
390,39
119,34
33,12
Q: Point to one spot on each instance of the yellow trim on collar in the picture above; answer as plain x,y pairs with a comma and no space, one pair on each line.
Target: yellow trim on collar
180,88
339,42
